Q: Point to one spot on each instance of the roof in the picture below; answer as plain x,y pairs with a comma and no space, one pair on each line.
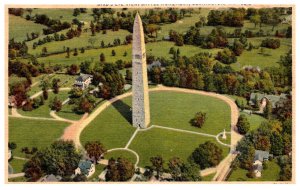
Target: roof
258,167
83,77
154,64
272,98
51,178
261,155
85,166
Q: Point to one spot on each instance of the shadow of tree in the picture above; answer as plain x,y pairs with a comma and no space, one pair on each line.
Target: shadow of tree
124,109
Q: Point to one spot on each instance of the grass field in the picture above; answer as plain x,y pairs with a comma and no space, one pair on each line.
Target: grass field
19,27
208,177
158,49
33,133
254,120
79,42
112,127
269,174
121,153
174,109
44,110
168,144
18,179
17,165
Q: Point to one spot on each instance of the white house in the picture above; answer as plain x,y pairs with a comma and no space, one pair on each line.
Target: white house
83,81
85,167
260,157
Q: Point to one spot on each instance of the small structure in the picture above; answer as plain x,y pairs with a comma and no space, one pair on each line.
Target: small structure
85,167
224,135
83,81
11,101
51,178
260,157
154,64
264,98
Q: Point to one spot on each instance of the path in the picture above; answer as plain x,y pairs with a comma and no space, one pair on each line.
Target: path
71,132
16,175
186,131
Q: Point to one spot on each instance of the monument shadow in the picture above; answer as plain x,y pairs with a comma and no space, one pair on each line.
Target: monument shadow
123,109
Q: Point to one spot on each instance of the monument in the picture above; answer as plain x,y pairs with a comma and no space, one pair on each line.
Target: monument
140,96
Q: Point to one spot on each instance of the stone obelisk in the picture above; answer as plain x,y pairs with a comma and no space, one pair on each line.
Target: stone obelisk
140,96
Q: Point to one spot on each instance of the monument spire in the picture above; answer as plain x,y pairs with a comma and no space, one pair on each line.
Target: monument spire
140,96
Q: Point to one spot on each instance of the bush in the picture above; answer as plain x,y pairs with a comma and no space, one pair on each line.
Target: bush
243,124
270,43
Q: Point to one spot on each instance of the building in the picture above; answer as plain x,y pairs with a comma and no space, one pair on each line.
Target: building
260,157
264,98
85,167
140,94
83,81
51,178
154,64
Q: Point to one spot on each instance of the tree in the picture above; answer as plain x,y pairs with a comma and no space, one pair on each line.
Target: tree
120,170
84,106
12,145
68,52
268,110
276,144
45,94
95,150
55,85
226,56
76,92
128,74
207,155
73,69
113,52
61,158
237,48
179,40
181,171
157,165
56,104
243,124
255,19
199,119
247,152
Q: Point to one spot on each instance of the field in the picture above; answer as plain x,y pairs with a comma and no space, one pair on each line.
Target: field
168,144
68,113
255,120
112,127
269,174
33,133
44,110
19,27
158,49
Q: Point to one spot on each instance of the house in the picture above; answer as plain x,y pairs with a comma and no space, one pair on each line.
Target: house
154,64
260,157
264,98
85,167
51,178
83,81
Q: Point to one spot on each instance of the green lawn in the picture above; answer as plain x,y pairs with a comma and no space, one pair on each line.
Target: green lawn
18,179
79,42
158,49
44,110
17,165
121,153
168,144
34,133
208,177
99,168
110,127
19,27
254,120
227,140
174,109
255,58
269,174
